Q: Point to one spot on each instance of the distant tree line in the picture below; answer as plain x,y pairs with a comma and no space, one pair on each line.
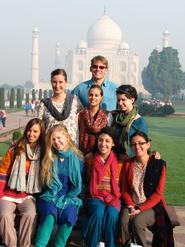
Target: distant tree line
15,97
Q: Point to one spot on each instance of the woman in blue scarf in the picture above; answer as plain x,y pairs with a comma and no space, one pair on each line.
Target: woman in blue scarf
61,175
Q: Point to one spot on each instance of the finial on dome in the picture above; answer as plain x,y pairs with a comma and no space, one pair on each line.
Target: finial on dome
105,10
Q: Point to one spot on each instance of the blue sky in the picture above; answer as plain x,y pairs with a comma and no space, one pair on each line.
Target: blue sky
67,21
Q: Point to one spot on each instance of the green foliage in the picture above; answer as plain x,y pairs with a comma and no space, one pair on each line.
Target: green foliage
4,147
149,73
45,94
2,98
50,93
12,98
19,98
22,93
163,74
33,94
40,94
28,85
152,110
27,98
16,135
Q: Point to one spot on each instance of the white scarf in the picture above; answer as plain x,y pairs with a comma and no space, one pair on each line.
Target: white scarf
17,180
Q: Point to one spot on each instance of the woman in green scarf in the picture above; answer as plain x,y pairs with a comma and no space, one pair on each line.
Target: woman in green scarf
126,120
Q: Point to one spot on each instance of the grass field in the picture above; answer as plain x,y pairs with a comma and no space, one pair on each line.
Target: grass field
168,137
179,106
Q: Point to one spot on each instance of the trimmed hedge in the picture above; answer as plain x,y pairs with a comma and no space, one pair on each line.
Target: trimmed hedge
153,110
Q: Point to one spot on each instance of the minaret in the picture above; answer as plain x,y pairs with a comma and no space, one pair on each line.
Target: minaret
58,62
35,58
165,39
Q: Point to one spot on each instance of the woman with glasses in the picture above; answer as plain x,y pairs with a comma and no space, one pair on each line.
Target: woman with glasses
143,183
126,120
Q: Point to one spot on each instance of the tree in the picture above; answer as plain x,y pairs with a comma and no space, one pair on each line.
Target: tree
50,93
2,98
28,85
22,93
163,75
19,97
40,94
149,74
27,98
12,98
33,94
45,94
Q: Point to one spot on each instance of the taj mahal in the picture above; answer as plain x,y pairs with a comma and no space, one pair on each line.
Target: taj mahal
104,37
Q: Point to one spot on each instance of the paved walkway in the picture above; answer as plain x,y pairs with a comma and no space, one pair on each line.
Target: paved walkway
18,119
14,121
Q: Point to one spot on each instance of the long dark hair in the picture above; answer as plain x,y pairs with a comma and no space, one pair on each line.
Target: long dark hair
21,143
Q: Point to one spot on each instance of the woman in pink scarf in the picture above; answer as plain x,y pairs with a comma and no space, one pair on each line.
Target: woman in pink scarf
103,201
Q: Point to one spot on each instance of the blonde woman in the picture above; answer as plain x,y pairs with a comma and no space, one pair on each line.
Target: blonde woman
61,176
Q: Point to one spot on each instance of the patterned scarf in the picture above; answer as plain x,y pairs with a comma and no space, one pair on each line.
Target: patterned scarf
59,116
98,173
124,121
92,125
17,180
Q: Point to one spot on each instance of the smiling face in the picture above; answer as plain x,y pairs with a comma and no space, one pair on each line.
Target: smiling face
59,141
139,146
33,134
124,103
94,96
105,144
58,83
98,70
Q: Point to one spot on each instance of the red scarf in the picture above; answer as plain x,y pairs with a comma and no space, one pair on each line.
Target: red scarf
98,173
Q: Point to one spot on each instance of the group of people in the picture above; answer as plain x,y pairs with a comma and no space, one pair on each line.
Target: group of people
31,107
90,140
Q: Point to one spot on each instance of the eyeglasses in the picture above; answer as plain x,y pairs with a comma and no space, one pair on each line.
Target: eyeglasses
94,66
140,144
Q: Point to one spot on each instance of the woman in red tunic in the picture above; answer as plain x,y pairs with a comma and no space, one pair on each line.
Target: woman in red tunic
91,120
143,185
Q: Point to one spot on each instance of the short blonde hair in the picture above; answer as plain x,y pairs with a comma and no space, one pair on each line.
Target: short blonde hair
101,59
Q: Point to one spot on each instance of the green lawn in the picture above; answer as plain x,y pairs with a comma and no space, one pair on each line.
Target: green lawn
3,147
168,137
9,110
179,106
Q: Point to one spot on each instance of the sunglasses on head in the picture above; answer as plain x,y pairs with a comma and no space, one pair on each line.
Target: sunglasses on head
94,66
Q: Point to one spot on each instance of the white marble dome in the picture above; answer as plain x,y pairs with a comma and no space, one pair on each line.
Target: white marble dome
104,34
124,46
82,44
